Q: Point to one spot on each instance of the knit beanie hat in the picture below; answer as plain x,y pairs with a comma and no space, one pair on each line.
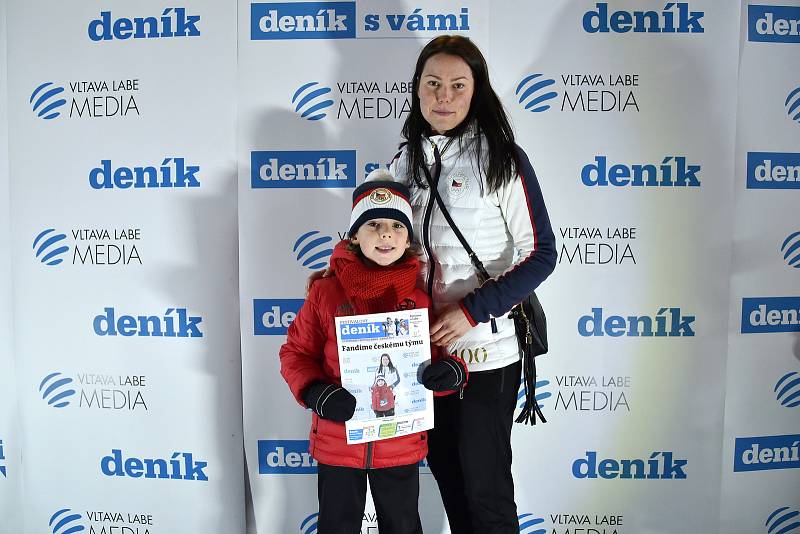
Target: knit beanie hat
380,200
380,377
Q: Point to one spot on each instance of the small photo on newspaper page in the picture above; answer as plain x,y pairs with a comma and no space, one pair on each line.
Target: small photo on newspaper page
379,355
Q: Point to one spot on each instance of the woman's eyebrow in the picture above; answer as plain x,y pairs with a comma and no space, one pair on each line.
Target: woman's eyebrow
439,77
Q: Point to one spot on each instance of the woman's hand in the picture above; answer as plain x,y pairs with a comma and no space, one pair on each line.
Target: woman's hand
450,326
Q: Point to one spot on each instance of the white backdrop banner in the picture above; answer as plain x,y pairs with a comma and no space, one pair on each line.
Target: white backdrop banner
168,163
122,134
10,480
632,140
761,458
626,111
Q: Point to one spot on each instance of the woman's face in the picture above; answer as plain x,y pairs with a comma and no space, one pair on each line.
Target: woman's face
384,360
445,91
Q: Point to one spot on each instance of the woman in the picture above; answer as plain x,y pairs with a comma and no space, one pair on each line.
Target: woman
388,371
457,130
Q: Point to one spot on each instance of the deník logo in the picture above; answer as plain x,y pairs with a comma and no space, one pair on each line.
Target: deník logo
791,250
312,249
533,94
49,248
46,102
309,103
787,390
56,390
65,522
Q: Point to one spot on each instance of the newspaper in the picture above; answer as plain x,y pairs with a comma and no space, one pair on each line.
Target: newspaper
379,355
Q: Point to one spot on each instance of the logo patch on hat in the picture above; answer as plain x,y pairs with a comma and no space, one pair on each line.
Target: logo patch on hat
458,184
380,196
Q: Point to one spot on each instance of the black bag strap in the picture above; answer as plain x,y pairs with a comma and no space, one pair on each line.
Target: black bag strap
433,183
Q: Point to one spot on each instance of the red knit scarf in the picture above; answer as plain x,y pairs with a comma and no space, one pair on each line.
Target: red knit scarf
373,289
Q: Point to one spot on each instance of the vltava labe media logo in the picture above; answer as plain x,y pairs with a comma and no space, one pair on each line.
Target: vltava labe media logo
48,246
579,92
115,98
310,102
90,390
313,249
90,246
66,522
787,390
309,524
791,250
56,389
792,104
783,521
541,394
46,101
353,100
530,524
2,460
534,94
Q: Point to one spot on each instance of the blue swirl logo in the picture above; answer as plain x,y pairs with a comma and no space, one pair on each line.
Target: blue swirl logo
309,524
528,524
792,104
791,250
540,395
49,247
312,250
64,522
787,390
533,94
783,521
45,101
308,101
55,389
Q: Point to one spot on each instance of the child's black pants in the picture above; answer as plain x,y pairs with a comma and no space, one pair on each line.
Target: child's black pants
342,494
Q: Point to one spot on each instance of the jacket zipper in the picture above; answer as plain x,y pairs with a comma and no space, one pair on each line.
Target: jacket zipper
426,221
368,463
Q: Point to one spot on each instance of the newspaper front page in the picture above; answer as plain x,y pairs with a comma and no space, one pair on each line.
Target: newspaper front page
379,355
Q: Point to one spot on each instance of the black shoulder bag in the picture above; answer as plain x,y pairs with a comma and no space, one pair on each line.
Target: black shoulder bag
530,322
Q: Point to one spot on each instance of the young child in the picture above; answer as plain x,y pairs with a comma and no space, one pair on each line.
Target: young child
372,272
382,398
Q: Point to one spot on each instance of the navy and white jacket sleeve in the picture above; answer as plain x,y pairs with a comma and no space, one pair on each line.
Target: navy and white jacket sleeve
526,217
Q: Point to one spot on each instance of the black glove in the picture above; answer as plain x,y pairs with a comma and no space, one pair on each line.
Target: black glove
444,375
330,401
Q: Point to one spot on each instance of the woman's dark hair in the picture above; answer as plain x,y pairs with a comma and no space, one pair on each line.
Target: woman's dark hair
390,365
485,110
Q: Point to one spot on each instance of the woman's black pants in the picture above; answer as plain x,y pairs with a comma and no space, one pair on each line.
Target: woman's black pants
342,495
469,453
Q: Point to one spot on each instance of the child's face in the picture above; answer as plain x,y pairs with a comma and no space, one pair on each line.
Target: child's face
382,241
